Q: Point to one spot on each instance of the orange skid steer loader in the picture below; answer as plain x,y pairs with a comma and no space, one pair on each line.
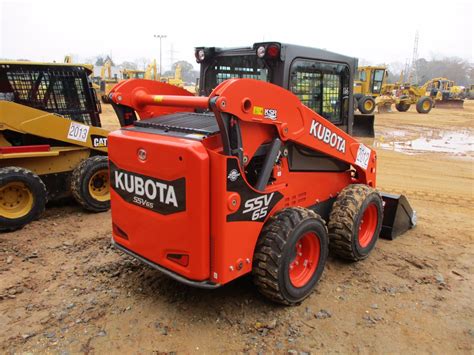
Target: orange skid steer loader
244,180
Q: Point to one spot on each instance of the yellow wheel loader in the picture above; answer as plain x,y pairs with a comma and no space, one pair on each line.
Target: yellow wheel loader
51,142
367,87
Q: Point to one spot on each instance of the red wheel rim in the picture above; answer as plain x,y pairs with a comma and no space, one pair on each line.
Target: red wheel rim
306,259
367,225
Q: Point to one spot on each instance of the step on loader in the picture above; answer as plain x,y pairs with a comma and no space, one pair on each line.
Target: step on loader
51,141
245,179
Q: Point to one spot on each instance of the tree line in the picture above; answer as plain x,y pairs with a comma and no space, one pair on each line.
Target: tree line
453,68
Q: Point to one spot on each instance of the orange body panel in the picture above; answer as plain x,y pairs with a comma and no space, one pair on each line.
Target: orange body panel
223,215
154,235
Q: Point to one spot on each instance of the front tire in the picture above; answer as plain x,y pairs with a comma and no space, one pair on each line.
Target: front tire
290,255
366,105
23,197
90,184
424,105
355,222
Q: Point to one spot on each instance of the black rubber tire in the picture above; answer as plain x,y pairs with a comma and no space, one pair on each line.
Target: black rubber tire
345,219
37,188
273,254
420,104
402,107
105,99
80,183
357,97
361,105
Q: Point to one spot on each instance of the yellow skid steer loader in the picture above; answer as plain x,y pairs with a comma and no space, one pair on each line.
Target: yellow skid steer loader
51,143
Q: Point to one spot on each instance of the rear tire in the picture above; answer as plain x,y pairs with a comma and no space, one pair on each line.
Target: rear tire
355,222
23,197
290,255
424,105
105,99
401,106
357,97
90,184
366,105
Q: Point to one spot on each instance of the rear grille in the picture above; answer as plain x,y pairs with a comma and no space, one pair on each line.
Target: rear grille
183,122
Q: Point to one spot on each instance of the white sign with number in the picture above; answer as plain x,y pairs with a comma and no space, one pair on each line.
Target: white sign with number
78,132
363,156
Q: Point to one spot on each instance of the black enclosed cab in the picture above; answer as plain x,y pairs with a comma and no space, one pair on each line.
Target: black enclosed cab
322,80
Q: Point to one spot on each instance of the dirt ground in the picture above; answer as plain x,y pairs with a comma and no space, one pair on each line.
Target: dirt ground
63,289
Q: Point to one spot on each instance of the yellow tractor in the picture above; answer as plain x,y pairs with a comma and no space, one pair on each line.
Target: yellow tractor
444,93
368,86
403,96
51,141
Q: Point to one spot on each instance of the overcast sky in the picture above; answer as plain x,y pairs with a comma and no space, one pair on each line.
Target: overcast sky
377,31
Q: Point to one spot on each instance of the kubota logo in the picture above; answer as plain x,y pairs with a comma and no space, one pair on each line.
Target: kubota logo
158,195
148,188
327,136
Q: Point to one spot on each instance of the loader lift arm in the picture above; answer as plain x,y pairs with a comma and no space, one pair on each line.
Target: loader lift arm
258,113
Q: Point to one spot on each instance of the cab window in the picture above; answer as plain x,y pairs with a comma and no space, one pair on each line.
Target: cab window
377,80
323,87
239,66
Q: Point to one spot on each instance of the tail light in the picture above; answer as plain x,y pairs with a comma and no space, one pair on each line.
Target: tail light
200,55
268,51
261,51
273,51
203,54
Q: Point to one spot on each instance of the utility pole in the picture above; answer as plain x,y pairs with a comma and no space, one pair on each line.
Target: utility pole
160,37
172,53
414,58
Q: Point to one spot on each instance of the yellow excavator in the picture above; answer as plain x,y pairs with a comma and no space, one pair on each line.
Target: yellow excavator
106,81
175,80
150,73
51,141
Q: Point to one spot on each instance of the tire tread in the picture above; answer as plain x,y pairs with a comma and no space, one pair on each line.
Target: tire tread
270,247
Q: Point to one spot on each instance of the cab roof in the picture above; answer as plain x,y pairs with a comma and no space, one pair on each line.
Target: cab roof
6,63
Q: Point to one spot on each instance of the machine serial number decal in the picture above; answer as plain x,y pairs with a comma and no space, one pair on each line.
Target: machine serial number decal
327,136
162,196
78,132
363,155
